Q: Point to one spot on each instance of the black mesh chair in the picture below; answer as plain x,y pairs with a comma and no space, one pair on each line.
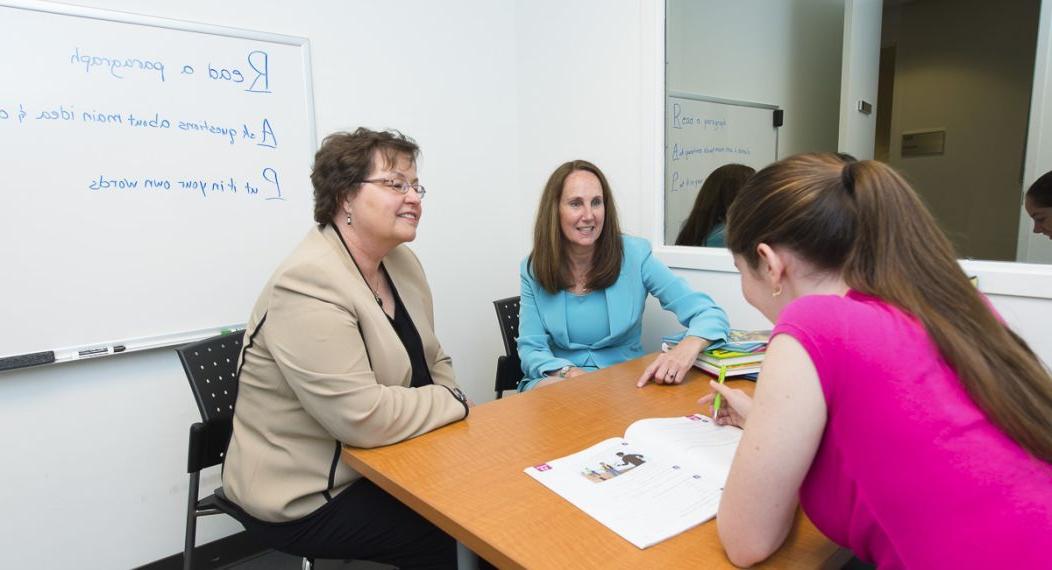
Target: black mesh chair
211,368
509,368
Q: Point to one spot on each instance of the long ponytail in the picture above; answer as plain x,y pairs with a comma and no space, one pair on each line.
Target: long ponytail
863,219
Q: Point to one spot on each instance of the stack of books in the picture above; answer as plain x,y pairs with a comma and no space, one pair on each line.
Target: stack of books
741,355
733,362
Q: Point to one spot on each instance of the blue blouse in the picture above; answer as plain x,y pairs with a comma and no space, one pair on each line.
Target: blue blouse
717,237
586,319
545,340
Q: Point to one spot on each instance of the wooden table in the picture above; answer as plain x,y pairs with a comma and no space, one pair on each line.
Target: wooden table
467,478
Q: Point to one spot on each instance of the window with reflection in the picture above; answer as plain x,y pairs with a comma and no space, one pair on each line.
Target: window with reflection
951,112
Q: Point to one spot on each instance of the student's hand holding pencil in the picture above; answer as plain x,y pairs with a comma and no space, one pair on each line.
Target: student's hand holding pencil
734,408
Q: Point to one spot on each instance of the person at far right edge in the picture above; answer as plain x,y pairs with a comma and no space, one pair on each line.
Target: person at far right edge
913,425
1038,205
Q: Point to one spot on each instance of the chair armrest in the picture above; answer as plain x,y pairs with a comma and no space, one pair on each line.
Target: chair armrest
509,372
208,443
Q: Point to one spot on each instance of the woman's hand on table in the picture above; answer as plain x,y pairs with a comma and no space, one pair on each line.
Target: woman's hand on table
671,367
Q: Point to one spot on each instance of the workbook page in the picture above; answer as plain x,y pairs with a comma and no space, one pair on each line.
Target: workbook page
707,446
645,493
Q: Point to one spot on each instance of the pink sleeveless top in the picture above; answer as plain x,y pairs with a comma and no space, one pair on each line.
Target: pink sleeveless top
910,473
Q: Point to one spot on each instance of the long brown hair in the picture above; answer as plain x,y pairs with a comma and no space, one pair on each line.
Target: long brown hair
713,201
863,220
548,261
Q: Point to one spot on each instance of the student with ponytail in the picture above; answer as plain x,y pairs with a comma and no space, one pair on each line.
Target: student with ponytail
913,426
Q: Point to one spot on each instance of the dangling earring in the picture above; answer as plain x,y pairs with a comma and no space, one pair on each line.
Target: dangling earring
348,218
777,291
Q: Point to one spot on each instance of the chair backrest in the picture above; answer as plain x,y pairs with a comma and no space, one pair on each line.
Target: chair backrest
211,369
509,368
508,315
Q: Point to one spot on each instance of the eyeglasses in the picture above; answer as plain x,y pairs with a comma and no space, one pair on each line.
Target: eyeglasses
400,186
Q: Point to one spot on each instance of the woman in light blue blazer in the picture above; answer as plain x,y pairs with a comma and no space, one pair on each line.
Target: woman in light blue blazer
584,286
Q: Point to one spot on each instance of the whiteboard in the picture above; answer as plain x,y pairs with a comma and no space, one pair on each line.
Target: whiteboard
702,134
155,172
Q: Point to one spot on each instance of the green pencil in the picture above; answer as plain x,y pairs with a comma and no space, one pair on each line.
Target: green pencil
716,402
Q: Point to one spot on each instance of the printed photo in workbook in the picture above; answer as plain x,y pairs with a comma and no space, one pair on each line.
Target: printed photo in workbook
665,476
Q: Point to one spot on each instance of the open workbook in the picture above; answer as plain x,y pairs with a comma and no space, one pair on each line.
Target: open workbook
663,477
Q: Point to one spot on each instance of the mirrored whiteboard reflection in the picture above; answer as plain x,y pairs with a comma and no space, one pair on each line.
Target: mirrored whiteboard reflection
713,147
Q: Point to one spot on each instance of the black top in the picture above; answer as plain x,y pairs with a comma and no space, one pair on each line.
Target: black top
406,330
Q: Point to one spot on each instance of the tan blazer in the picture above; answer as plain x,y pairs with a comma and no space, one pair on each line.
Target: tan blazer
322,366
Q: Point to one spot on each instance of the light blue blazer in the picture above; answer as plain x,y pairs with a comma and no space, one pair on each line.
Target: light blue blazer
544,343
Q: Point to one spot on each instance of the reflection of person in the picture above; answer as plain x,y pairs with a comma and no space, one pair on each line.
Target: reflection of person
634,459
706,224
893,398
584,286
1038,204
341,349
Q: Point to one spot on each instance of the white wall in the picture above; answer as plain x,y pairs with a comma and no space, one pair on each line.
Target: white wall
578,84
497,93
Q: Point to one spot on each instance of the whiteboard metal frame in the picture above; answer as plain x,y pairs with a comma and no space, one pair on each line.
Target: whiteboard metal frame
695,97
124,346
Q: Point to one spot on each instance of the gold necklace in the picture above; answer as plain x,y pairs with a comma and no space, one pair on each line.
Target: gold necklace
580,283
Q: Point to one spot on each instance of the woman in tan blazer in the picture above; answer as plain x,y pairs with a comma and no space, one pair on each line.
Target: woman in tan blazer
341,349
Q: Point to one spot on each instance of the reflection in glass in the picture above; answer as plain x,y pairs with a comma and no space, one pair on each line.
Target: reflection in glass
736,70
952,114
705,226
1038,205
935,83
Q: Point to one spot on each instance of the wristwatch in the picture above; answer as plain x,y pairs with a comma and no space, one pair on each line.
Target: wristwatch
564,371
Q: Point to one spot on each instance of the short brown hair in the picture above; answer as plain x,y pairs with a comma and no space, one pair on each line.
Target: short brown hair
548,260
346,159
864,221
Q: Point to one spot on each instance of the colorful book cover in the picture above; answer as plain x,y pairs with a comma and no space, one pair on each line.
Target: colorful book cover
741,340
732,370
723,357
742,335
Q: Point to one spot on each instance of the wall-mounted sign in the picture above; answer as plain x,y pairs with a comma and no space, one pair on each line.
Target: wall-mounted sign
923,143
